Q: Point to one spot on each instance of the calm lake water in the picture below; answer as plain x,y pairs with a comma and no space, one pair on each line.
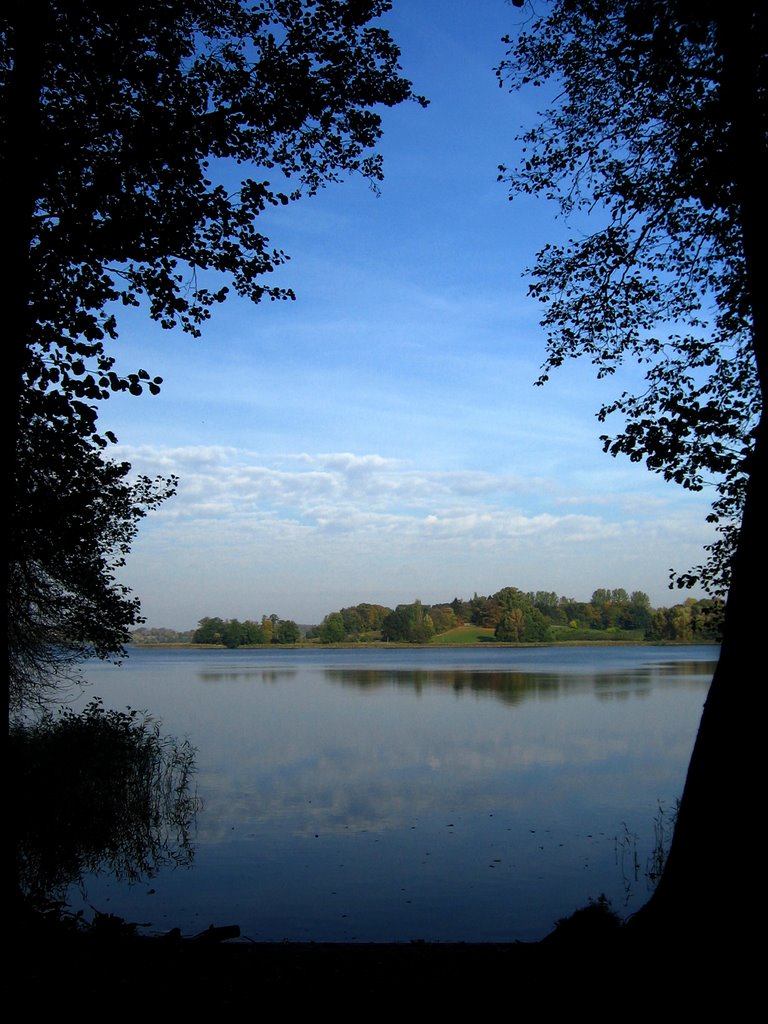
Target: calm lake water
444,795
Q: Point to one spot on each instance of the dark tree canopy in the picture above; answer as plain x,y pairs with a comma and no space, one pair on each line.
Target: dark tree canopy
69,531
139,144
634,149
121,125
657,130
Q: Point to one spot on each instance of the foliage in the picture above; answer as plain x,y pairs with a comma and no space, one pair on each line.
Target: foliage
232,633
519,621
140,143
408,623
98,791
632,147
595,922
523,626
691,622
509,615
331,630
363,620
655,145
70,528
288,632
358,623
615,608
147,636
135,119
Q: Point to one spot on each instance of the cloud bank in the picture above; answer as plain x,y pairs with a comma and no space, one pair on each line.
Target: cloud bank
302,534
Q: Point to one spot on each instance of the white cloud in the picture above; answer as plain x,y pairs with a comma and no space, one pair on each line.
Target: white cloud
304,534
381,437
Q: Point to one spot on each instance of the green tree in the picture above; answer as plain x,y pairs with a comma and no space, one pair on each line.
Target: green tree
422,628
462,611
520,621
511,626
363,619
145,636
209,631
353,621
657,130
395,626
486,612
408,623
252,633
331,630
288,632
691,622
573,611
373,615
443,617
548,603
233,634
639,611
267,628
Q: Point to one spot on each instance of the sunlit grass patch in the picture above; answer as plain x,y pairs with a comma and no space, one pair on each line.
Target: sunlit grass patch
465,635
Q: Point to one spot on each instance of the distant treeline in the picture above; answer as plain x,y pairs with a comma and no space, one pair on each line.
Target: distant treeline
513,615
271,629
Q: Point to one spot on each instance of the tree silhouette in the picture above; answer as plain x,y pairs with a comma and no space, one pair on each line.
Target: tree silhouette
141,141
658,134
69,530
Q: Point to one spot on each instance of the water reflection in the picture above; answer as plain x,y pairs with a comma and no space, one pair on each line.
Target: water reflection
515,687
98,792
261,675
391,795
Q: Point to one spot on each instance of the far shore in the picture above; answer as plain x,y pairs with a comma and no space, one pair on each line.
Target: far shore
390,645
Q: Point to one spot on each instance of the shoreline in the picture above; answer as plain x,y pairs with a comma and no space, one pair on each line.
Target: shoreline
571,967
392,645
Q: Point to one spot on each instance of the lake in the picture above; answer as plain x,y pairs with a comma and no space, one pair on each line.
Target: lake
444,795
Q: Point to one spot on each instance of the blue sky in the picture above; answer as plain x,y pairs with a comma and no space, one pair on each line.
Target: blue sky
381,438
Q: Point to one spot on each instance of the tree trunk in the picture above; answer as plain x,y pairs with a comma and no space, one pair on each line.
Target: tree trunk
702,891
709,886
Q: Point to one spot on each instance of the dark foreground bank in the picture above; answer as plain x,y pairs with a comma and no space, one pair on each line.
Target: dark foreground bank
602,968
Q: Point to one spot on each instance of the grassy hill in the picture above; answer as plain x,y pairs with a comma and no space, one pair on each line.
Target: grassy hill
464,635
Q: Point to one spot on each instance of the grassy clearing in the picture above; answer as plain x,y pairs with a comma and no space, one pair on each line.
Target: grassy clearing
464,635
565,634
560,635
473,635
